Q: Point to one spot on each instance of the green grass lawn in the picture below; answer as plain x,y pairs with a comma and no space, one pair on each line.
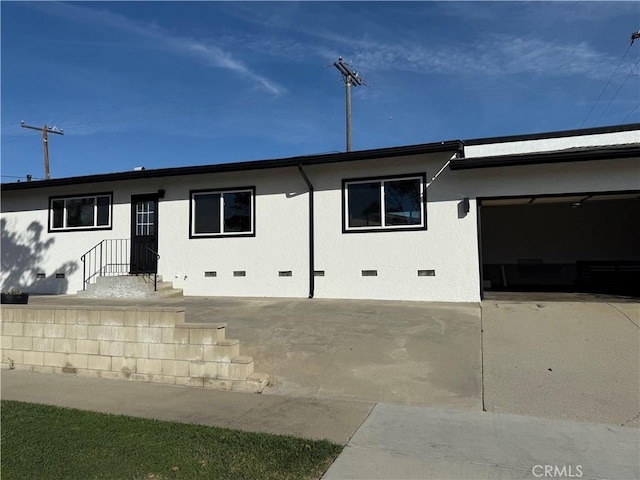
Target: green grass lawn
45,442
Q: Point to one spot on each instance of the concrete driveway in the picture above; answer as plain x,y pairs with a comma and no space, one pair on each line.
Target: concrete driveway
395,352
571,360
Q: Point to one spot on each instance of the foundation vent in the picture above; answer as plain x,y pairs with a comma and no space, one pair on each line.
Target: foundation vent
426,273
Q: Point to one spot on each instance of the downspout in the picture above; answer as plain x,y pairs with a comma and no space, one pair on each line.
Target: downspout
311,235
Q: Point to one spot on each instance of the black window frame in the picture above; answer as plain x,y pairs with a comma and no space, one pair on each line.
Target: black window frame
64,228
252,221
384,228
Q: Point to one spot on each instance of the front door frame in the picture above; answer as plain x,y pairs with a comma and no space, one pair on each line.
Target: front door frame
150,260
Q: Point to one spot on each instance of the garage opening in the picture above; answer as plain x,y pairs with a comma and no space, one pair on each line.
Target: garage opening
571,243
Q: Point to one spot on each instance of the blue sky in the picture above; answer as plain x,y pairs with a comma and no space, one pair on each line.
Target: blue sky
162,84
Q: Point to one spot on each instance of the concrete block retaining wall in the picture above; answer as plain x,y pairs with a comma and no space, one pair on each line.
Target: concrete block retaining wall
143,344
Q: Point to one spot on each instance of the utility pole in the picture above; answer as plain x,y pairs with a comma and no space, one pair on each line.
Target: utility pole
350,78
45,130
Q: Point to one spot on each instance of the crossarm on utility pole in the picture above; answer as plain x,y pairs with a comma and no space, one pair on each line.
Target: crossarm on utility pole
350,78
45,141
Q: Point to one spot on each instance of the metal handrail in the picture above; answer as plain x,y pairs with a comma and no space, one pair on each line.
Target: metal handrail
111,257
155,274
108,257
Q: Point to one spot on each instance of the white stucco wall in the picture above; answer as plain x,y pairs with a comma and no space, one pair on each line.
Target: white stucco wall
279,244
28,248
558,178
280,241
449,245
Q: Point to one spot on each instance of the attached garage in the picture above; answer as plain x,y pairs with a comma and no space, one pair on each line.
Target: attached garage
586,242
556,213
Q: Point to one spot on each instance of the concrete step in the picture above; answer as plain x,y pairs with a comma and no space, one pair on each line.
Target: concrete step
255,383
168,293
128,280
207,334
130,286
239,368
223,350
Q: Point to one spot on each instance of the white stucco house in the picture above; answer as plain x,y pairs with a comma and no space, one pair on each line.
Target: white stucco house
432,222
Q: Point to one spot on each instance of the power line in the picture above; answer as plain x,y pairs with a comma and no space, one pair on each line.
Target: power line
130,106
136,116
70,115
15,138
144,116
608,82
629,114
617,91
167,113
28,177
127,119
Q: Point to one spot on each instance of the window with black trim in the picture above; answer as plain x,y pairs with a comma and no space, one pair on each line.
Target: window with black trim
222,213
80,212
384,203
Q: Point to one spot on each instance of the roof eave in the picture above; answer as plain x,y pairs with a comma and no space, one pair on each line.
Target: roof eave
448,146
546,157
557,134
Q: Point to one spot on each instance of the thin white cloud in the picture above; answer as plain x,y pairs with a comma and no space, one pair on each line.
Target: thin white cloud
497,55
199,50
215,57
536,12
493,55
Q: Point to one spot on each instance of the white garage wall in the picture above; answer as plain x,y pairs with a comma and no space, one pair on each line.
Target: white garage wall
551,144
571,177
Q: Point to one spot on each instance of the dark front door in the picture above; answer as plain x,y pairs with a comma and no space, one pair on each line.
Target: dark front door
144,233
